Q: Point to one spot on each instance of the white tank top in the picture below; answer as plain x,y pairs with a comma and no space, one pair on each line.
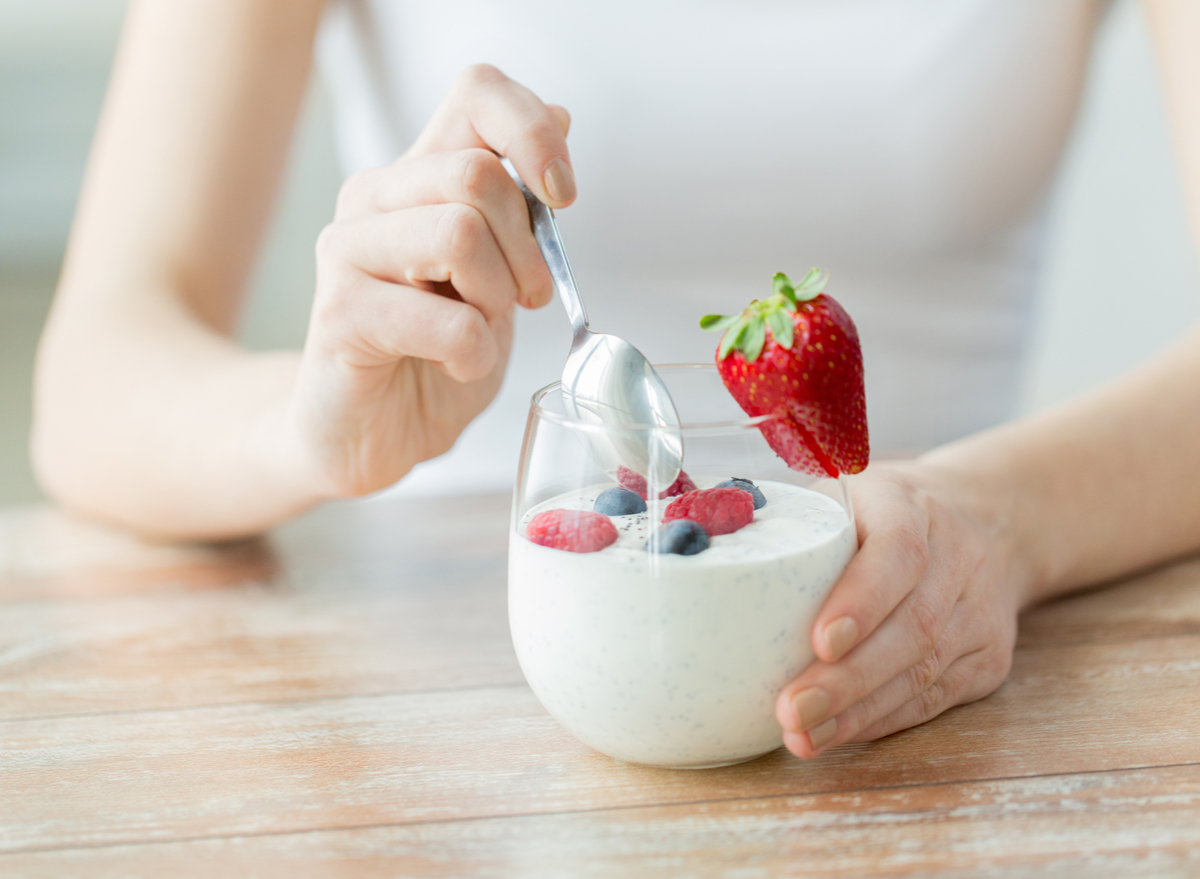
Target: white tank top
905,145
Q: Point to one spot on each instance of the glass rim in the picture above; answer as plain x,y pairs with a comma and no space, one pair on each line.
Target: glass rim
542,412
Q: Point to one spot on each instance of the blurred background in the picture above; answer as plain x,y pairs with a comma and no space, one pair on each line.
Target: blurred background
1118,233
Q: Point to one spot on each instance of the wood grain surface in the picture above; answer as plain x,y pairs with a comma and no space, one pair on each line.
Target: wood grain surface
342,699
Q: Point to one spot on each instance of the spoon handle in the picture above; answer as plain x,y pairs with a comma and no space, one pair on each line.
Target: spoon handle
545,232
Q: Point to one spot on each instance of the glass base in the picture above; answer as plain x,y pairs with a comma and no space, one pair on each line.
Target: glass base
737,762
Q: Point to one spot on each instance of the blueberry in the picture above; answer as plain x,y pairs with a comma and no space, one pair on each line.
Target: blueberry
760,499
619,502
682,537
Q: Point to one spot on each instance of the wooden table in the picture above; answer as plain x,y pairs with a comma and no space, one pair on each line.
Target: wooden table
342,699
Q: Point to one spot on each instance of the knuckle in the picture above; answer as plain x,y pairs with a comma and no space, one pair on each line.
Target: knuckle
541,290
997,665
877,592
332,308
329,244
478,171
481,74
933,699
535,287
460,231
925,673
859,683
913,542
562,116
927,623
903,489
464,334
851,722
543,129
936,509
351,192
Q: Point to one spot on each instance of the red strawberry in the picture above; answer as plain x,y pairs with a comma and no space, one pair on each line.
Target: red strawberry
716,510
572,530
637,483
796,356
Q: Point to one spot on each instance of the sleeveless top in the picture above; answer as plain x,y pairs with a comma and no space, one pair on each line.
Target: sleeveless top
907,146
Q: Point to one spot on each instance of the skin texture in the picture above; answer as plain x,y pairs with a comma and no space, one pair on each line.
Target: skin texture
954,544
148,415
957,543
146,412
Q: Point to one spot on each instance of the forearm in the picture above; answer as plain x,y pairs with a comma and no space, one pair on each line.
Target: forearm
955,544
1111,482
1097,488
148,419
147,414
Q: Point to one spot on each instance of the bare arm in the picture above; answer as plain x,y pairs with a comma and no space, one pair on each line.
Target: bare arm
146,412
956,543
1111,483
136,357
1098,488
1175,26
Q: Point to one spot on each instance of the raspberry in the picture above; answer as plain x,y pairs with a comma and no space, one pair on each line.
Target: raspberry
637,483
572,530
716,510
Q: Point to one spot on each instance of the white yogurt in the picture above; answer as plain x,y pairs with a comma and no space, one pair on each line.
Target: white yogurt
676,660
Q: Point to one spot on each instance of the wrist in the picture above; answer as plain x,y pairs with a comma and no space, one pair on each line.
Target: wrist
285,461
290,469
986,487
342,433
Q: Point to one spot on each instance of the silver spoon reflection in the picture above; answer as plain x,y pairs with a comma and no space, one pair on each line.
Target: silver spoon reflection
606,381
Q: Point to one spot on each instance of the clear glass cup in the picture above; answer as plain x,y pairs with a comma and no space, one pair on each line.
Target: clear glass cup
664,659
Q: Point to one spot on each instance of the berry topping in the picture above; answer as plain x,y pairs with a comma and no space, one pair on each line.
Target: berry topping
795,356
619,502
682,537
716,510
760,499
637,483
572,530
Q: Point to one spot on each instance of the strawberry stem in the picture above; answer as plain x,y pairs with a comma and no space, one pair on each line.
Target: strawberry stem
747,332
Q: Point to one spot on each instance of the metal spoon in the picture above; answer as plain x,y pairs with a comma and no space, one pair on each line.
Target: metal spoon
606,381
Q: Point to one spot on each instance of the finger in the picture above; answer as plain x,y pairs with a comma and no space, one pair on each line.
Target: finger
968,679
909,684
372,322
487,109
447,243
907,637
891,561
562,117
473,177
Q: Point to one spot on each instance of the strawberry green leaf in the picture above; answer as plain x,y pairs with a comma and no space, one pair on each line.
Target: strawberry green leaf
811,278
713,322
732,336
754,339
781,327
812,285
782,285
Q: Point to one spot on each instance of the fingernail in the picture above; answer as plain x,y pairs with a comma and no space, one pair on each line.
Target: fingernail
840,636
560,182
822,735
810,706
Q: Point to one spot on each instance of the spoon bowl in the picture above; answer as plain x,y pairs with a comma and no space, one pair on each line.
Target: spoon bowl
606,380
